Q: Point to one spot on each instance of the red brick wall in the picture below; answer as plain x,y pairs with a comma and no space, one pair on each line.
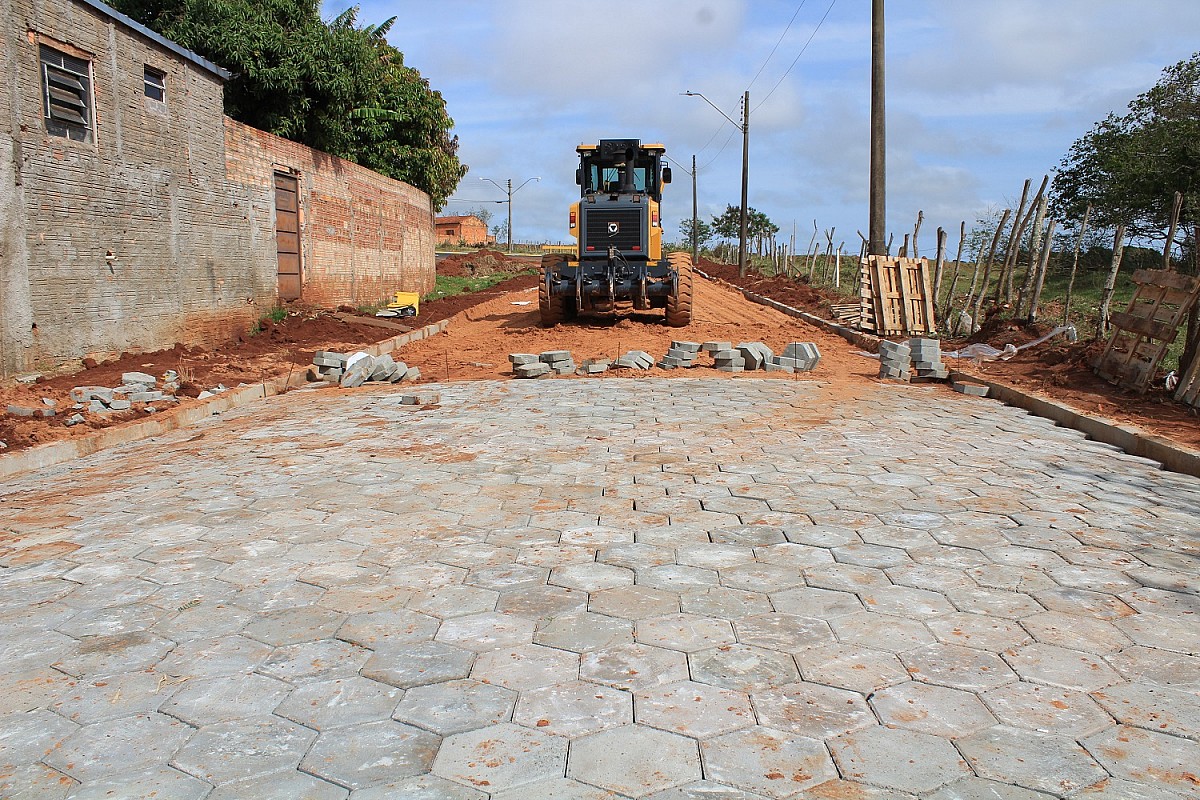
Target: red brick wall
363,236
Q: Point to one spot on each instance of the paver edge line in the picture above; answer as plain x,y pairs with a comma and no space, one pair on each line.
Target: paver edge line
1173,457
48,455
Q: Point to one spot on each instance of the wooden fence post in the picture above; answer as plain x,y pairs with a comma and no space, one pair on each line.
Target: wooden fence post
1075,265
1106,297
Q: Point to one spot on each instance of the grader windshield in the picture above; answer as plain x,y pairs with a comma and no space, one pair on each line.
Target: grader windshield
620,171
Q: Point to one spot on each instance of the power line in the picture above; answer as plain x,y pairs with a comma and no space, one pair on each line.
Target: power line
722,150
776,47
797,58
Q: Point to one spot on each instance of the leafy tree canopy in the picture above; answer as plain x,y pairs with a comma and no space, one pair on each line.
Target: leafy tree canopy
704,232
1129,167
335,86
729,224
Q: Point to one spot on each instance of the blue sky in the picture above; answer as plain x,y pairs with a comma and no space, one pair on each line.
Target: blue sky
981,95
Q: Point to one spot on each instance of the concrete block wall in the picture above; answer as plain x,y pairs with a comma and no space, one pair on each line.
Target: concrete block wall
149,189
362,236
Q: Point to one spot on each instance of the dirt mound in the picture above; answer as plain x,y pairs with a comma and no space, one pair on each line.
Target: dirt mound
482,263
795,292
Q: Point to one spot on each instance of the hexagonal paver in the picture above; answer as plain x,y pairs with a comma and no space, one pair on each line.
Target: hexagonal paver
768,762
634,602
1147,757
1041,761
225,655
230,751
707,555
898,759
574,708
859,669
1084,603
812,602
634,760
978,631
693,709
782,631
36,781
935,710
488,631
812,710
957,667
280,786
454,601
709,790
634,666
972,788
420,787
102,697
107,655
343,701
456,706
686,632
321,660
376,629
1180,635
583,631
748,535
120,745
1046,709
591,577
373,752
677,578
906,601
29,737
526,667
725,603
419,664
881,631
762,577
508,576
743,668
501,757
229,697
157,782
1058,666
1155,708
294,625
541,602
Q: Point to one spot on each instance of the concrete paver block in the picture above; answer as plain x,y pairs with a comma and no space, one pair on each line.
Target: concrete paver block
634,760
279,786
409,665
583,632
898,759
455,706
634,667
226,698
693,709
767,762
574,708
528,666
230,751
370,753
1040,761
1047,709
743,668
935,710
501,757
339,702
1142,756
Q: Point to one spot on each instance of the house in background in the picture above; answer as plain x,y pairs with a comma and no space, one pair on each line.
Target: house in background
470,230
135,215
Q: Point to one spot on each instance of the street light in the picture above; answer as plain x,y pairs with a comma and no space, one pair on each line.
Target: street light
745,129
508,188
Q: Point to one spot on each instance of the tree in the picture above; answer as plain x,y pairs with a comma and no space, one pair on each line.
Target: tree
704,232
334,86
729,224
1129,167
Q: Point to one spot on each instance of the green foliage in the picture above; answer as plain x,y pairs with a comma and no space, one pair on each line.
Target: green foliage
450,285
335,86
729,224
277,314
704,233
1129,167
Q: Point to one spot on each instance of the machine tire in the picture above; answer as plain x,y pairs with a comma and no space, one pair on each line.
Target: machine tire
679,303
551,308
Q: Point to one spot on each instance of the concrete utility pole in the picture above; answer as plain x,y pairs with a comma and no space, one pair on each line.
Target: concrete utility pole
745,129
878,222
510,191
695,218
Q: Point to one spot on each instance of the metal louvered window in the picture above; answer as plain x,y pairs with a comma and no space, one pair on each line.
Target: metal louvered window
67,94
156,84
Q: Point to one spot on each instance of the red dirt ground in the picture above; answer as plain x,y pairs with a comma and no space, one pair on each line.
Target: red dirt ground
487,325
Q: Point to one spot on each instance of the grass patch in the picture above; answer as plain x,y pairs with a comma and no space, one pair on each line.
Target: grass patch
450,285
277,314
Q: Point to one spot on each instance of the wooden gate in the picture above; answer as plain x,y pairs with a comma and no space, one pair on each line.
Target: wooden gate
287,234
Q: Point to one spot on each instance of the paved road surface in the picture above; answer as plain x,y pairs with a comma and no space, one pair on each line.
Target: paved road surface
613,588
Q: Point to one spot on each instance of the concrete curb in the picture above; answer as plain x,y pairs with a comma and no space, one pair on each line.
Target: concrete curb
1173,457
47,455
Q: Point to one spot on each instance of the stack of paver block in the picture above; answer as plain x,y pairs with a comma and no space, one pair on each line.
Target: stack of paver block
729,360
356,369
559,361
635,359
797,357
681,354
136,387
926,357
756,354
528,365
894,358
593,366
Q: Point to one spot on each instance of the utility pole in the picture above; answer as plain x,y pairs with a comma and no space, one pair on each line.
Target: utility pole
745,129
509,191
695,218
878,203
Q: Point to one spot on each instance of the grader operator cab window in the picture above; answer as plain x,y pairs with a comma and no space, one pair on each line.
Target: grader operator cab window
607,180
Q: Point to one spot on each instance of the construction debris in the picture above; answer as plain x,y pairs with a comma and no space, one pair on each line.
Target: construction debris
746,356
421,399
635,359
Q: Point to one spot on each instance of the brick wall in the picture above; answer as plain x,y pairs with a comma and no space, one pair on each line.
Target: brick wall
362,236
148,234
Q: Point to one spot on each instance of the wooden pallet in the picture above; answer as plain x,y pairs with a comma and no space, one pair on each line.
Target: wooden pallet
896,296
866,297
1142,334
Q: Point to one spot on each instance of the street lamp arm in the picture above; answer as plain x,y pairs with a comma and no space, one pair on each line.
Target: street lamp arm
714,105
493,183
527,180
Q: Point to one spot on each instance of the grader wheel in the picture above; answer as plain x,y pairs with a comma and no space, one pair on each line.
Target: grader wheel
551,308
679,304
